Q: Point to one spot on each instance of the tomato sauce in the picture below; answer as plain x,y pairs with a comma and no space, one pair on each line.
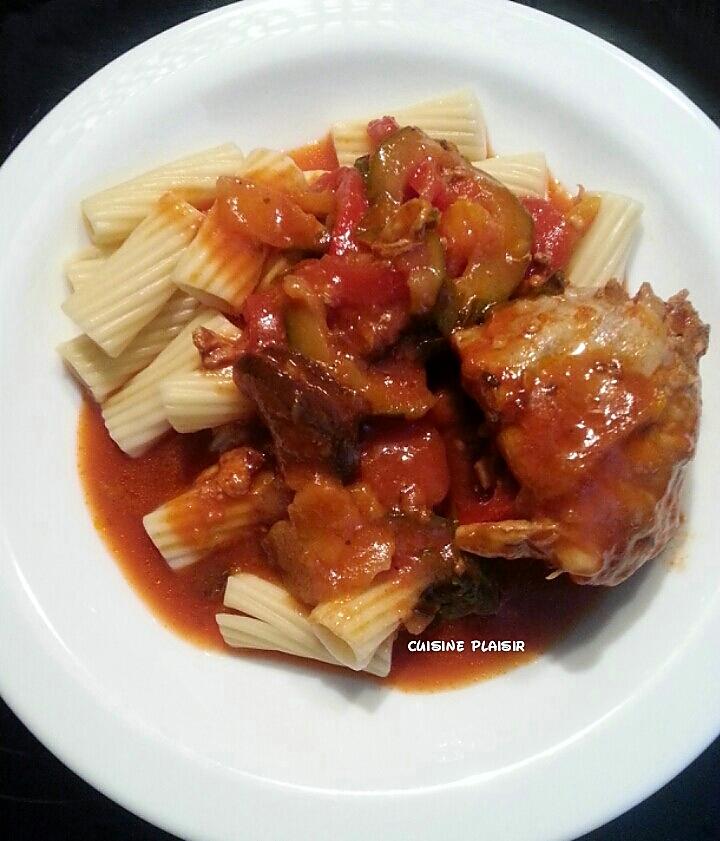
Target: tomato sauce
120,490
534,611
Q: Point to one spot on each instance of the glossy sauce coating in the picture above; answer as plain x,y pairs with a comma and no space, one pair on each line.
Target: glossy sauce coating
317,155
121,490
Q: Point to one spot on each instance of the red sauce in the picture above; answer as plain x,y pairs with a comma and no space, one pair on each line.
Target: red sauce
535,611
120,490
317,155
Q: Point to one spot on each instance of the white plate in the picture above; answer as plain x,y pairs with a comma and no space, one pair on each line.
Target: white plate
213,747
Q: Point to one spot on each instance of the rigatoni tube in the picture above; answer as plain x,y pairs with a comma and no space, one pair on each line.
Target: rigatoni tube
274,169
114,213
135,416
135,282
196,522
84,266
352,627
219,268
455,117
275,621
201,399
603,251
102,374
523,175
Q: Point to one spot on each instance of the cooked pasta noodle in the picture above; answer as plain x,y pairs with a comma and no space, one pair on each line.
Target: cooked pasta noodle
353,627
135,282
191,525
603,251
103,374
275,169
275,267
112,214
524,175
135,416
455,117
197,400
85,265
276,621
273,605
219,269
312,175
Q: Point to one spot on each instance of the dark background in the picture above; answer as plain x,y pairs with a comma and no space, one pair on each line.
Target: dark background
47,48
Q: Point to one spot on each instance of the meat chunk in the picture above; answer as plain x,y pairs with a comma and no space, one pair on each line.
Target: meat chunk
233,474
594,399
335,540
314,421
338,539
216,351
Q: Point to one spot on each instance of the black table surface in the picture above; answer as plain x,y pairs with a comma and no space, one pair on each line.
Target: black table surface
47,48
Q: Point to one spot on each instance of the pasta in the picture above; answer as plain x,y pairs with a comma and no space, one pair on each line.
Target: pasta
275,267
114,213
196,400
455,117
85,265
218,269
352,628
136,281
192,525
275,621
312,175
524,175
604,250
102,374
273,168
135,416
350,385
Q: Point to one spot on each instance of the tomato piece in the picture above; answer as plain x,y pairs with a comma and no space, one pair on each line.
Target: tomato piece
263,313
431,180
328,181
370,330
349,202
427,180
267,214
554,238
468,502
318,203
405,463
469,230
354,281
318,155
351,206
381,128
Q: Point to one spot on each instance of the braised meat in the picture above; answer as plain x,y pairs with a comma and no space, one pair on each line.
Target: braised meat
594,399
334,540
314,421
